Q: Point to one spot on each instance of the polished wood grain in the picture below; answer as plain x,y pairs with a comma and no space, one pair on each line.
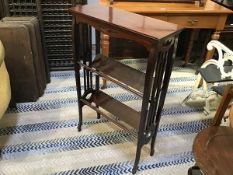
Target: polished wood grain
213,150
141,25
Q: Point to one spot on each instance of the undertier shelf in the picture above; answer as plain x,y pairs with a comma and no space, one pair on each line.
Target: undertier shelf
119,73
121,111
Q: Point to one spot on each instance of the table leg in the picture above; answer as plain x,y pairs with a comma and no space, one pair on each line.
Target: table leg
204,51
104,40
231,116
215,36
194,33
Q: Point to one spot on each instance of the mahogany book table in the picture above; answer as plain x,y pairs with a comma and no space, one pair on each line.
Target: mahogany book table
159,37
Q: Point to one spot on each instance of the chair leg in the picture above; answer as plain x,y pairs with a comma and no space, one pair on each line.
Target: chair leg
231,116
227,96
198,81
190,170
207,101
197,84
80,106
98,114
138,155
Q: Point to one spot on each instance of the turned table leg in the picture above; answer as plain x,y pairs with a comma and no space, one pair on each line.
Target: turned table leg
194,33
231,116
104,44
209,54
215,36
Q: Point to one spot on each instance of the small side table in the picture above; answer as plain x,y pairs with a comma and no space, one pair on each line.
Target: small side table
213,150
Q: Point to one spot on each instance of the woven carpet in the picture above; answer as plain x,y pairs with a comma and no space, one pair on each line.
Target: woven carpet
42,137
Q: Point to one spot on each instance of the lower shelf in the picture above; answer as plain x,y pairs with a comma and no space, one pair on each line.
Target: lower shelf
121,111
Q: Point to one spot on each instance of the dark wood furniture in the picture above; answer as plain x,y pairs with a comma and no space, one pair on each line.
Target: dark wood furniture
213,150
159,37
227,97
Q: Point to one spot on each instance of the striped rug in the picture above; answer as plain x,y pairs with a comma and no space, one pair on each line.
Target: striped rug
42,137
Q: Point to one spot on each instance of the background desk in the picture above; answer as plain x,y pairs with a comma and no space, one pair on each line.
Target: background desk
211,16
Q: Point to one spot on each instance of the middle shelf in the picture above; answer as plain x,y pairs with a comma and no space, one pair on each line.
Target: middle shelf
119,73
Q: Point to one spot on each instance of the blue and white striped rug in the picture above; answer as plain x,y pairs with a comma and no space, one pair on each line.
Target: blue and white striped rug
42,138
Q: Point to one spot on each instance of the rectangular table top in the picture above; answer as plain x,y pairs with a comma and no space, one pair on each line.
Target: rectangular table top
138,24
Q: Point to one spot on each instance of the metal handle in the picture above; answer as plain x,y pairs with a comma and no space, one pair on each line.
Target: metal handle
192,21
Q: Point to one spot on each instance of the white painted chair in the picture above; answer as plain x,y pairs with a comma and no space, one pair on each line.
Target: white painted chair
213,72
